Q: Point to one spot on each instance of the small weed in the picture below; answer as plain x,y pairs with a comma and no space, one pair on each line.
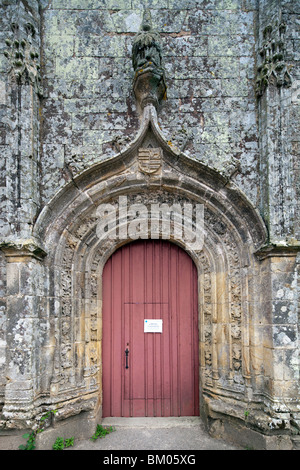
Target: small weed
30,444
58,444
246,413
101,432
61,443
69,442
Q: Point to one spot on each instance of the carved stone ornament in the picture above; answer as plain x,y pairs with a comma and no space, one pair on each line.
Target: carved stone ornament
273,67
149,160
23,58
79,255
149,82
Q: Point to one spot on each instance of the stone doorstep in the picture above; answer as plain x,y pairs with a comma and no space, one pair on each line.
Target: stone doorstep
185,421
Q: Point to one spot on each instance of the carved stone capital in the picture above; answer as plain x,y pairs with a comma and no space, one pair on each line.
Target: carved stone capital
21,250
272,250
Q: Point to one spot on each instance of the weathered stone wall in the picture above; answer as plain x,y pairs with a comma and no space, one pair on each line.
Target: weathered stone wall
67,105
90,111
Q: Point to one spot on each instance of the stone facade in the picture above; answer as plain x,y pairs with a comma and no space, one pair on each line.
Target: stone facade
222,131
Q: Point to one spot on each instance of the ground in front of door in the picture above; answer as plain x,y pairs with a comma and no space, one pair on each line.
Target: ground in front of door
163,434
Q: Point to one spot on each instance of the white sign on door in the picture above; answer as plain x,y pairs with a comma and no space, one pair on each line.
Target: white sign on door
153,326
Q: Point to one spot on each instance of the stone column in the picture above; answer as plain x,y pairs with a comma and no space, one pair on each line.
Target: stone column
20,95
23,126
25,286
280,257
274,92
279,301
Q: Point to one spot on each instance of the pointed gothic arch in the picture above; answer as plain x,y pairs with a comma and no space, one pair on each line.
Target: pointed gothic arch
233,231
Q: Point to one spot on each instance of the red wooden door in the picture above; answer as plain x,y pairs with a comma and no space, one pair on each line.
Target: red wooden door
159,375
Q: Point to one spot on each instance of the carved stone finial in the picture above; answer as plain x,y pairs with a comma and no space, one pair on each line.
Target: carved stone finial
149,81
273,67
23,58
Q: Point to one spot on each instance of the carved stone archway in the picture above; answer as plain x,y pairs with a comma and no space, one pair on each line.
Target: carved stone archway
230,365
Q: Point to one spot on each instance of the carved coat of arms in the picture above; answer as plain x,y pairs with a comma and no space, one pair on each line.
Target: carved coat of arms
149,159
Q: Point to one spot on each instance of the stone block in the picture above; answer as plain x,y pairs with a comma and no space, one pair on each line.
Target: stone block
75,68
284,312
285,336
82,426
235,87
100,46
2,93
77,4
13,279
185,46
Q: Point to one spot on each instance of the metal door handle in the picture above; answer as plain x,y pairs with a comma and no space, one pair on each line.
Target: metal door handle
126,358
